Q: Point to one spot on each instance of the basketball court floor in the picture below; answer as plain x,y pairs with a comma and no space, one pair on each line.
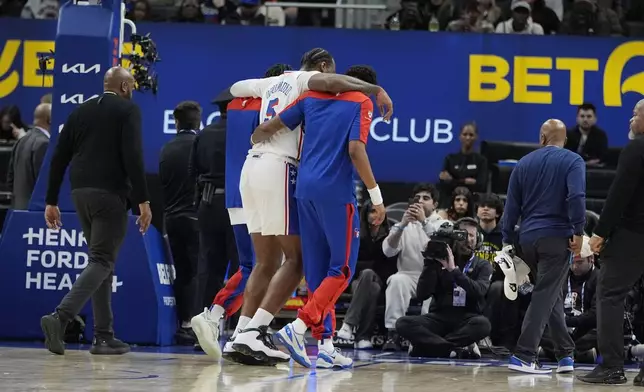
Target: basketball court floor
29,367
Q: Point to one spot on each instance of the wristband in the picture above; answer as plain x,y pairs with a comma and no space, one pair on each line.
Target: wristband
375,196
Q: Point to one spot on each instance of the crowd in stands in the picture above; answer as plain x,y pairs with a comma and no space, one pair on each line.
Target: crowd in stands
572,17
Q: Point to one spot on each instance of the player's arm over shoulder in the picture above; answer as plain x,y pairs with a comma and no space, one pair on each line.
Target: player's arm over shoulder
250,87
336,84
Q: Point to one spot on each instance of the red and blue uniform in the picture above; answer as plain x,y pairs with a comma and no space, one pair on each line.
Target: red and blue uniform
242,119
326,201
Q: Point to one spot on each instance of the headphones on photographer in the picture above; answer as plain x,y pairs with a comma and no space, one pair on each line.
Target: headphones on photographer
475,223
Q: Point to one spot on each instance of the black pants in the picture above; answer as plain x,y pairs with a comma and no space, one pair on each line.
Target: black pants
504,316
584,341
549,260
216,248
439,333
622,265
183,236
103,217
362,310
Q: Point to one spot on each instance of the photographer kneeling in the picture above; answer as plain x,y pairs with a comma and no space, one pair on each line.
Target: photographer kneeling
458,282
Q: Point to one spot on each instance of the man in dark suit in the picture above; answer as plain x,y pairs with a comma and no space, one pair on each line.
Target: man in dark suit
26,158
181,223
102,140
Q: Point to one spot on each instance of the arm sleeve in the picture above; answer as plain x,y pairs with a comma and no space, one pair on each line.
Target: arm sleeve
388,250
39,157
249,88
474,287
362,122
59,162
512,209
629,167
132,155
293,114
303,80
576,181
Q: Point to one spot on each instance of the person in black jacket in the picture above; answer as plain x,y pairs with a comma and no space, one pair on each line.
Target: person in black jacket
466,168
181,223
458,286
373,268
587,139
580,307
102,140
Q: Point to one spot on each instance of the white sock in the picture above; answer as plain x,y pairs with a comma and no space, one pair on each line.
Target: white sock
326,345
299,326
241,324
217,312
260,318
186,324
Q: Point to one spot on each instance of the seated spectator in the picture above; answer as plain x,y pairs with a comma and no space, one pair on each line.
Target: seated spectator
458,286
141,11
407,240
545,16
586,18
372,272
461,205
11,125
253,13
189,12
472,20
40,9
579,304
417,15
489,210
465,168
586,138
489,10
521,22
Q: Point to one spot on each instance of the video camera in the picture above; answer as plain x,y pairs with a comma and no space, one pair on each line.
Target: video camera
440,240
145,77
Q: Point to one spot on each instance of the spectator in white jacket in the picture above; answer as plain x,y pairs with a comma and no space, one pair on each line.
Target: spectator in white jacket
407,240
521,21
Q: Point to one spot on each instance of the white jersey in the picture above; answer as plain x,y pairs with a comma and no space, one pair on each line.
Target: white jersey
277,93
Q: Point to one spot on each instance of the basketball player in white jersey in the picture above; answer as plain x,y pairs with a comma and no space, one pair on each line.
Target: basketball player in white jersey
267,188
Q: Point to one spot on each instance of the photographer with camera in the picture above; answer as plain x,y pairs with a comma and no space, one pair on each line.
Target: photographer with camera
407,240
458,281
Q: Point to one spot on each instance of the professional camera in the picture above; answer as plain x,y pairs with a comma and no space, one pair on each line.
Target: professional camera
142,64
441,239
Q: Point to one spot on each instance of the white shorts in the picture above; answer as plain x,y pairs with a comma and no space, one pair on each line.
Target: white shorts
267,187
237,216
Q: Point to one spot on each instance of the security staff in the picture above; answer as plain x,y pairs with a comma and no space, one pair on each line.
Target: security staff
102,144
216,238
181,223
621,230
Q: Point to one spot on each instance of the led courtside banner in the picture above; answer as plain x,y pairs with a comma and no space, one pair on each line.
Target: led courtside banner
508,84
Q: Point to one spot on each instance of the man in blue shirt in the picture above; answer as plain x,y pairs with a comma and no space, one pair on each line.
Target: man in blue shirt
336,132
547,192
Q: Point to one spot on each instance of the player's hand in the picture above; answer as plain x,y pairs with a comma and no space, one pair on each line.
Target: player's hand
145,218
259,137
445,176
596,243
418,212
385,105
380,214
449,264
52,217
575,244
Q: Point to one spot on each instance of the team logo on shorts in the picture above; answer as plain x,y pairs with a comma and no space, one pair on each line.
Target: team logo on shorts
356,233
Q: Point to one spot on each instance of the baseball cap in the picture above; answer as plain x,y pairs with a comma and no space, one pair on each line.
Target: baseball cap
521,4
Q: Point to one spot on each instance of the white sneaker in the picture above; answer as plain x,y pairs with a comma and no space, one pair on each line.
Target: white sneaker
345,334
206,328
228,347
295,344
327,360
257,343
363,344
474,350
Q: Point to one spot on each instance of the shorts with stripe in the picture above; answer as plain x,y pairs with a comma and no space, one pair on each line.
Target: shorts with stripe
267,187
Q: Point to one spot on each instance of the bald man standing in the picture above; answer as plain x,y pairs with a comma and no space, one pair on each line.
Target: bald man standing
26,158
547,192
102,140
